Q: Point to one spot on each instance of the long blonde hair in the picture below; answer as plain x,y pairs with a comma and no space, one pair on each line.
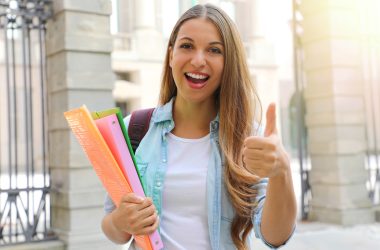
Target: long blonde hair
237,101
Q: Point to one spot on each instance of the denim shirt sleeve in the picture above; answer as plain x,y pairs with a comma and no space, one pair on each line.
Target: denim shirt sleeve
257,214
109,206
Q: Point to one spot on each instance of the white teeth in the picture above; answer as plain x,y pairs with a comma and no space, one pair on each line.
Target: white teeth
196,76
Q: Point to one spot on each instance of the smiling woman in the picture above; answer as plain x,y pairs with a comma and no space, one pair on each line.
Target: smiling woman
211,176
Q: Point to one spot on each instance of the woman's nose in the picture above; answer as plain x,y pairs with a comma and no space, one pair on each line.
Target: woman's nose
198,59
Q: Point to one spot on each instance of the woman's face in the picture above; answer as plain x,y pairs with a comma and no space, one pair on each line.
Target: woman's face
196,60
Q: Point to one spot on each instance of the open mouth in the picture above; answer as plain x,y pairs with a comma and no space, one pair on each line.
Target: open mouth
197,78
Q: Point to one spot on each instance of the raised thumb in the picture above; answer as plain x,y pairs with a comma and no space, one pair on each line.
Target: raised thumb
270,127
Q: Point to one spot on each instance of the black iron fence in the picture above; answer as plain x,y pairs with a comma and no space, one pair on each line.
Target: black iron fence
371,75
297,111
24,173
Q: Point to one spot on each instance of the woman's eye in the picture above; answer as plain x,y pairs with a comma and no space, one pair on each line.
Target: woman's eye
186,46
216,50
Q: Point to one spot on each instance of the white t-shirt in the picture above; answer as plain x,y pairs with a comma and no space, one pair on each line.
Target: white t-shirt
183,221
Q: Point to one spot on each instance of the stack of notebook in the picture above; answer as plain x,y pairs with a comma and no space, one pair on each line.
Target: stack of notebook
105,141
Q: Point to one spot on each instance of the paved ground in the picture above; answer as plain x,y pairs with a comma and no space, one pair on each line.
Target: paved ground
317,236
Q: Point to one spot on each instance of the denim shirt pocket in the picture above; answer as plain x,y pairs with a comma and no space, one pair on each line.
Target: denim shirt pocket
142,171
225,233
142,166
226,220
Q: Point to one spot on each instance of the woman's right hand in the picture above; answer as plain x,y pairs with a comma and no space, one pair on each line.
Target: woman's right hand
135,215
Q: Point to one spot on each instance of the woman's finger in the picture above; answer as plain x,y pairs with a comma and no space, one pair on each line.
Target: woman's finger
150,229
146,212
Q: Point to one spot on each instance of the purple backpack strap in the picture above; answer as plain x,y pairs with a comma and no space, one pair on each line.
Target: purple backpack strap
138,126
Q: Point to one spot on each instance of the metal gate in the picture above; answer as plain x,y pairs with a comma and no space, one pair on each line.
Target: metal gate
298,109
24,173
369,12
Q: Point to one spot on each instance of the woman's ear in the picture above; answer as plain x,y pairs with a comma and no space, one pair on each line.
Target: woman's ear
170,56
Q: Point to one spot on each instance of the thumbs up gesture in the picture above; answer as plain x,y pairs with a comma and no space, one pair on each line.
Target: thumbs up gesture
266,156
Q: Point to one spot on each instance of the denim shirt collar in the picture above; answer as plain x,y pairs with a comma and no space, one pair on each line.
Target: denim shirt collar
165,113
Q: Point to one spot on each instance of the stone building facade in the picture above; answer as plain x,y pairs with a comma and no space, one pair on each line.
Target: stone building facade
86,64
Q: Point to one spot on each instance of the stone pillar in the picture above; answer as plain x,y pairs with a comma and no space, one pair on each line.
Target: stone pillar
78,45
260,52
149,42
335,112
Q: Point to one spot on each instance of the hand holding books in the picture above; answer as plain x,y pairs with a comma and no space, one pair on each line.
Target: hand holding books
135,215
105,141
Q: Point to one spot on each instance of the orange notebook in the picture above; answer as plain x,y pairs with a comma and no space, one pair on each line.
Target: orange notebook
102,160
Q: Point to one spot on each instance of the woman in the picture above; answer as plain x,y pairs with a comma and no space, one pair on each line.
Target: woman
212,179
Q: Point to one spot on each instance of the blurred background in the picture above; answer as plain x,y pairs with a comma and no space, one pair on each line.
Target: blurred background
319,60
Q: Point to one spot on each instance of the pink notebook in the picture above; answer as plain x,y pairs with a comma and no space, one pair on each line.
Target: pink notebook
111,131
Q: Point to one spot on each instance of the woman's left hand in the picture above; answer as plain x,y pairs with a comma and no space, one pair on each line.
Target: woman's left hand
266,156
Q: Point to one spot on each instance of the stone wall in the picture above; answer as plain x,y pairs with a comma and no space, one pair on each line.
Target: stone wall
335,112
79,46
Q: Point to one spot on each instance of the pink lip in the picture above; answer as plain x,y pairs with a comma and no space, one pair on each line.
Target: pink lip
197,85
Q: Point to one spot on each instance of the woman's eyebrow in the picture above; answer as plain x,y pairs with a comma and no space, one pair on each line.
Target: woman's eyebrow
186,38
217,42
190,39
211,43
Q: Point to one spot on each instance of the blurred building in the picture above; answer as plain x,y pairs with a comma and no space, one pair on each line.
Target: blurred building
141,31
324,76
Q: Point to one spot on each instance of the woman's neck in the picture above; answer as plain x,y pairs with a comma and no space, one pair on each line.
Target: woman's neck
192,120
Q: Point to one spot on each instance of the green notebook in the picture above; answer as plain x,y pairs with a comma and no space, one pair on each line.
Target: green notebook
100,114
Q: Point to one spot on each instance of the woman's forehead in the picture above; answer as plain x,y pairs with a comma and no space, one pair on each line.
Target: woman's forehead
199,28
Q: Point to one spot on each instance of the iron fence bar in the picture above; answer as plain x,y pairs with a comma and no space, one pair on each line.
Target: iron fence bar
33,189
43,110
24,229
10,159
8,94
3,219
3,19
15,129
1,155
42,89
31,117
41,207
15,134
4,216
302,148
26,94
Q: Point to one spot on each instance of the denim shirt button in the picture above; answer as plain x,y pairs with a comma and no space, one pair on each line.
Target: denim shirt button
158,184
214,126
164,160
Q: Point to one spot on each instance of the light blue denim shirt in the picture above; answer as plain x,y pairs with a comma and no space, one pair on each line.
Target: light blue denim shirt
151,159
